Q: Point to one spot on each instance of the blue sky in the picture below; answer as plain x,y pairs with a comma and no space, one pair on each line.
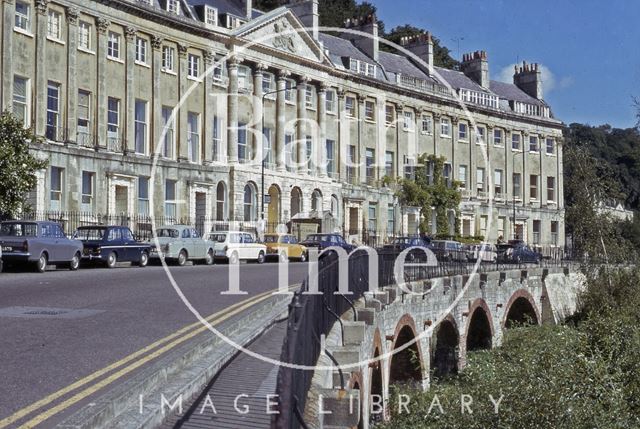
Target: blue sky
590,48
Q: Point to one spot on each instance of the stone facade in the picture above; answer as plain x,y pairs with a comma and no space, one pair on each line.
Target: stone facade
99,80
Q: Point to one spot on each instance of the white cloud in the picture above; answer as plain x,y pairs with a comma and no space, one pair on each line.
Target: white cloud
550,81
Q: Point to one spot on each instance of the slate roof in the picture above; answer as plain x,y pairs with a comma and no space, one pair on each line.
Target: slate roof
458,80
233,7
511,92
339,47
398,64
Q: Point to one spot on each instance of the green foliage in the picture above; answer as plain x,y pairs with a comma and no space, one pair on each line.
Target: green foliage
17,165
441,54
431,192
563,377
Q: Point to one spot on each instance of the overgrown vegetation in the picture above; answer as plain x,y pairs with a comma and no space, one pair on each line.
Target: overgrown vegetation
17,165
585,374
430,190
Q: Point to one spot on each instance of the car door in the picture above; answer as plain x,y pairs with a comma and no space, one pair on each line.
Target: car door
185,241
249,246
295,251
48,242
197,244
65,247
131,250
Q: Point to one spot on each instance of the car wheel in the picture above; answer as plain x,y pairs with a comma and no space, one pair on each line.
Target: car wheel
144,259
182,258
233,259
209,258
261,257
75,262
303,257
112,260
284,257
41,264
519,260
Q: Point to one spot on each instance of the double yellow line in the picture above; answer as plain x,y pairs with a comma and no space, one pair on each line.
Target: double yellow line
124,366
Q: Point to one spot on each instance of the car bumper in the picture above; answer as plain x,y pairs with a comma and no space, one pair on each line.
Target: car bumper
92,257
17,257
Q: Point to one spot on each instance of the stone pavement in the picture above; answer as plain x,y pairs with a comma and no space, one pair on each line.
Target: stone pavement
244,375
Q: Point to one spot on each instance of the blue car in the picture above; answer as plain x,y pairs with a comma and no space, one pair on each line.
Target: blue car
517,252
112,244
324,241
402,243
38,244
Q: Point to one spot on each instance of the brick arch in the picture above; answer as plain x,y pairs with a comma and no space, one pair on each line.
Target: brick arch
524,294
377,379
478,305
400,363
444,358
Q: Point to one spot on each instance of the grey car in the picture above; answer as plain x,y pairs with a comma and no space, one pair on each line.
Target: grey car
38,244
180,243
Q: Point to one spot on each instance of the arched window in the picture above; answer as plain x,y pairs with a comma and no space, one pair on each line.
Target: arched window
316,201
250,203
221,202
296,201
335,207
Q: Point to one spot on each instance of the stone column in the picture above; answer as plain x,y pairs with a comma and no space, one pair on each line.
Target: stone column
181,116
41,69
258,142
209,108
381,137
281,120
130,115
343,139
321,153
8,22
102,25
232,110
360,147
302,126
156,115
72,73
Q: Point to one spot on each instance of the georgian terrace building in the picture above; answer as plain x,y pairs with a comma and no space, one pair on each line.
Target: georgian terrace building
100,82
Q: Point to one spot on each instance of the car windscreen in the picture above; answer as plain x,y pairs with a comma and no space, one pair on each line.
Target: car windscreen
167,233
439,244
218,238
19,230
402,241
317,238
87,234
270,238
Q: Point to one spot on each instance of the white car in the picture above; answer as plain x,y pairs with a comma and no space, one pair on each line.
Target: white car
235,246
485,251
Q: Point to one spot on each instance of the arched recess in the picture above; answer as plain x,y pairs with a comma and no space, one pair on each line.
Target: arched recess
273,211
445,349
250,202
376,388
221,202
335,206
405,365
521,309
356,383
316,201
296,201
479,333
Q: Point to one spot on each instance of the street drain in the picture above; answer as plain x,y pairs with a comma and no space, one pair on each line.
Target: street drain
47,312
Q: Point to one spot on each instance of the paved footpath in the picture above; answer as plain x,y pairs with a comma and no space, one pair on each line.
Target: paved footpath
245,375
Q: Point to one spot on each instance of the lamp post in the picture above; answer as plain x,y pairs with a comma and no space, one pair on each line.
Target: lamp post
275,91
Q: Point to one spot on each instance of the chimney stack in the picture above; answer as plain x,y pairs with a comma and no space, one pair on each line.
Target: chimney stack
248,7
422,46
476,67
368,43
307,12
529,79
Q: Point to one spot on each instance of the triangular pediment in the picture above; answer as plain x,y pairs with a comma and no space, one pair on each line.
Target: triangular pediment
280,29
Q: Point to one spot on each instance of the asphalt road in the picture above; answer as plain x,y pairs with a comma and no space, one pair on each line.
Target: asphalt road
78,322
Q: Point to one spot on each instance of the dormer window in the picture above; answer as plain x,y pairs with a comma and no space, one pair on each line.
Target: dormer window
362,68
173,6
211,16
480,98
234,22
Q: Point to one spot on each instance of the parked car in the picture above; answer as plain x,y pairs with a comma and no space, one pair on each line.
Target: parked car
181,243
323,241
38,244
235,246
402,243
448,250
284,247
1,263
486,252
517,252
112,244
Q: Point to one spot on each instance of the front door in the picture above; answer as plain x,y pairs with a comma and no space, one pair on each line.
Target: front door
201,211
354,221
122,199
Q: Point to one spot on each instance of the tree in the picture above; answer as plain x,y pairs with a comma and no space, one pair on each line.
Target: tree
429,188
441,54
17,165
